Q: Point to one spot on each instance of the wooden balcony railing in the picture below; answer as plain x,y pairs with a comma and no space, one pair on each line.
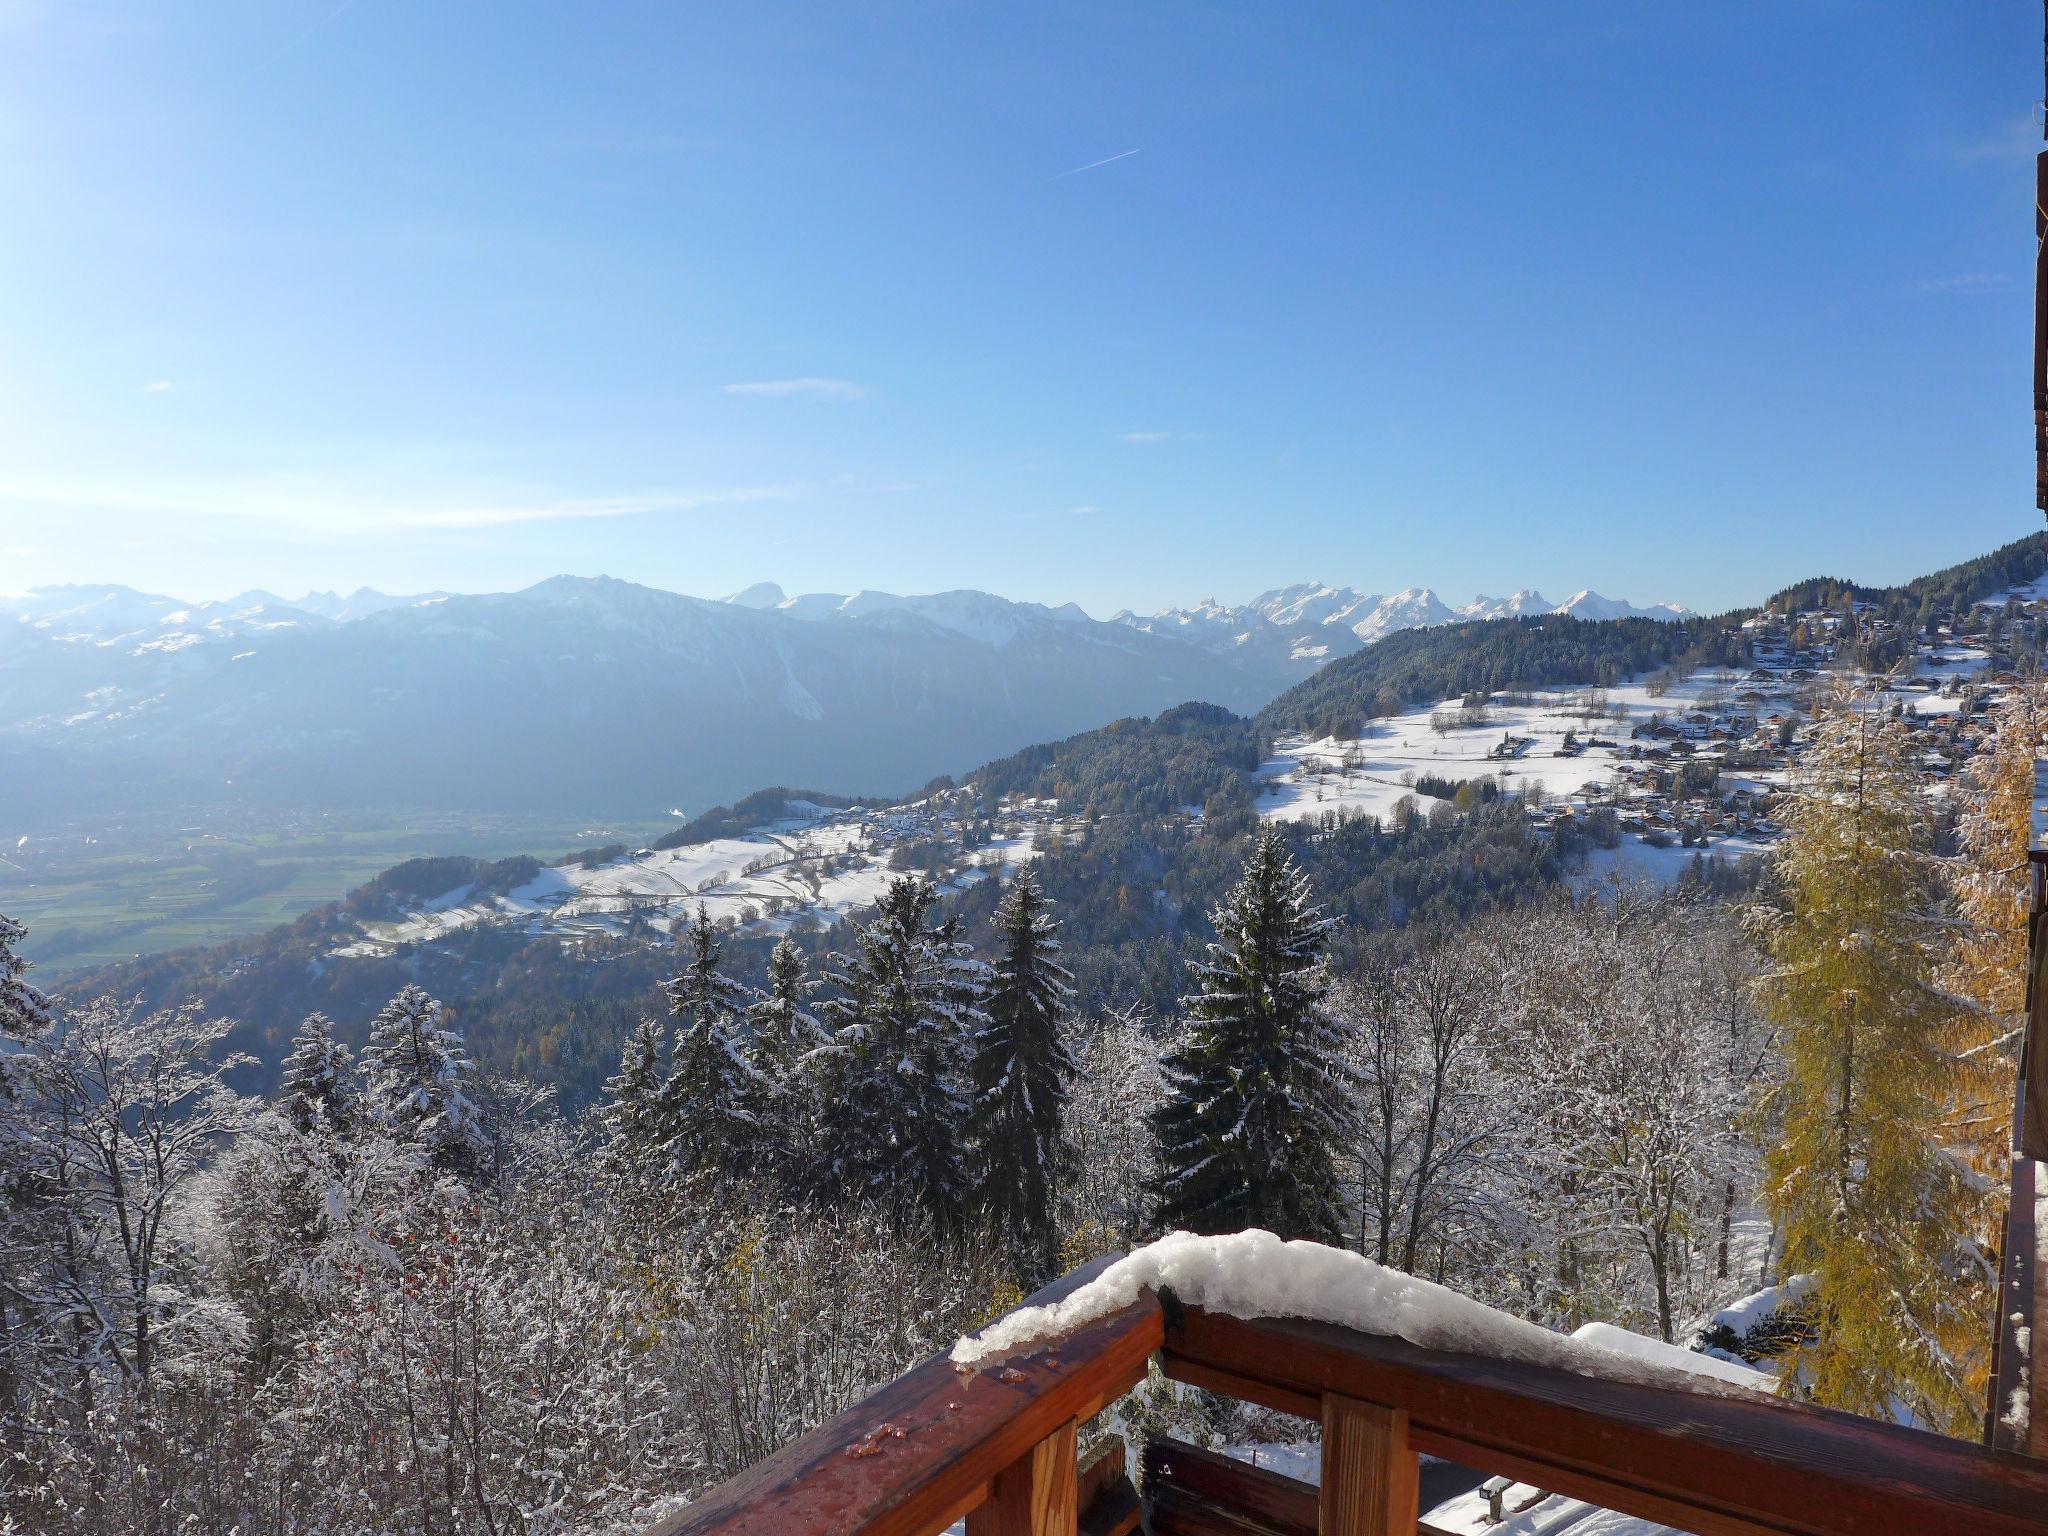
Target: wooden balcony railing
1000,1445
2019,1373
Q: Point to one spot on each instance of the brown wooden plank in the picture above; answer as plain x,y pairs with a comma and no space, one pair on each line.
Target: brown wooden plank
1193,1479
1115,1510
1730,1465
919,1453
1101,1467
1036,1495
1267,1394
2017,1365
1370,1475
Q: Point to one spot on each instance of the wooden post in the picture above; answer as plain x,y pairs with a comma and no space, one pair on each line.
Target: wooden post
1037,1494
1371,1477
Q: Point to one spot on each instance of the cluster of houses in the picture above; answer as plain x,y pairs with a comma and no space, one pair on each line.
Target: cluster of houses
1709,771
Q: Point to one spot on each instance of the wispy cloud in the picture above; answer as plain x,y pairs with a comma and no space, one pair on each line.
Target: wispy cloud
157,387
1085,511
499,516
817,389
1148,439
300,37
1965,283
319,506
1094,165
2018,138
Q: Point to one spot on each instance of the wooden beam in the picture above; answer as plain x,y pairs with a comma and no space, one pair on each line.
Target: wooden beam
1038,1494
1192,1492
1370,1475
1707,1463
1246,1389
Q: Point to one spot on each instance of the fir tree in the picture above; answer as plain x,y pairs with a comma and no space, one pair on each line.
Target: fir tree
786,1033
24,1012
709,1105
897,1099
631,1114
1259,1102
414,1069
1021,1068
1869,1198
318,1091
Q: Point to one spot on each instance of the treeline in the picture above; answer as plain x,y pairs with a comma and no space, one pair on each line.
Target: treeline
751,811
1192,757
1418,666
404,886
1947,590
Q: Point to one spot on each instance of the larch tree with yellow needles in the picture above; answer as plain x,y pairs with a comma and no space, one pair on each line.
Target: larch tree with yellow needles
1872,1198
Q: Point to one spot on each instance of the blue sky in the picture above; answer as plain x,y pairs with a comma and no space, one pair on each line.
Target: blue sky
1129,304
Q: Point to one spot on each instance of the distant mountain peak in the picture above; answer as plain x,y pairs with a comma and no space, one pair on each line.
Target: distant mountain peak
762,594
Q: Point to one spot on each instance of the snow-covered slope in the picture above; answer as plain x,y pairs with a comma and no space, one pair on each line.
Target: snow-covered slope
1309,623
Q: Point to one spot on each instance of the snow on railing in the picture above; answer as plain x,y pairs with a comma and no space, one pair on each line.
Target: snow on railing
1394,1368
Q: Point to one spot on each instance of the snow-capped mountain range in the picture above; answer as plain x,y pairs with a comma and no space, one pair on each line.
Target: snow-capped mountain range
594,695
1315,623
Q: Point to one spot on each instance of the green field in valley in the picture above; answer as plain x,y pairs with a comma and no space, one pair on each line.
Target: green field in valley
90,897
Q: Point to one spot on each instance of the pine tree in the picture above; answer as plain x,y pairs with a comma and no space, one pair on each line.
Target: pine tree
1021,1069
786,1033
318,1092
1259,1102
709,1105
897,1099
631,1114
414,1069
24,1012
1868,1198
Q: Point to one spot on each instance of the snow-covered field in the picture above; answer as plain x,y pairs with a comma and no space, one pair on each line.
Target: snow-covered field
823,863
1522,747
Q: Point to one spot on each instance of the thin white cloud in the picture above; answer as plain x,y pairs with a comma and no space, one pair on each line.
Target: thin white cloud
1145,438
2018,138
816,389
1086,511
318,506
598,506
301,37
1965,282
1094,164
157,387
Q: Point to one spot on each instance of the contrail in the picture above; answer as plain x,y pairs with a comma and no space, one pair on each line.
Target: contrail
315,27
1091,165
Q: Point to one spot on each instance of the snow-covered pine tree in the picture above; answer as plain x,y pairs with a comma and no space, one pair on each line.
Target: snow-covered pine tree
318,1090
709,1105
24,1011
1020,1072
632,1102
897,1111
1870,1199
786,1032
1260,1099
413,1071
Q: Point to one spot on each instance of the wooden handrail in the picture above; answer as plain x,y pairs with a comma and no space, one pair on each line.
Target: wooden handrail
937,1442
997,1444
1718,1465
2019,1355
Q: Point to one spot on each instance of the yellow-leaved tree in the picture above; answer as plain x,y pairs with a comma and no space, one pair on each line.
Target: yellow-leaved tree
1989,968
1869,1196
